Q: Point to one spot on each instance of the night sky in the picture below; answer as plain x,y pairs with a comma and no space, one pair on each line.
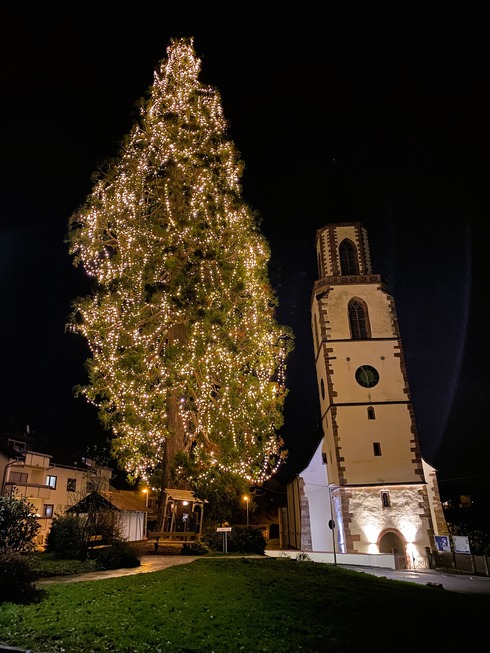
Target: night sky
333,123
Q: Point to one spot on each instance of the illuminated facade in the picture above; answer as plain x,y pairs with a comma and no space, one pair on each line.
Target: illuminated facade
51,488
367,488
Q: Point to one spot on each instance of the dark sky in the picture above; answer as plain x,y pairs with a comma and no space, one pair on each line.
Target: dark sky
335,122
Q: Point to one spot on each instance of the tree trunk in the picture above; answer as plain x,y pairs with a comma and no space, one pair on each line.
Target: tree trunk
175,443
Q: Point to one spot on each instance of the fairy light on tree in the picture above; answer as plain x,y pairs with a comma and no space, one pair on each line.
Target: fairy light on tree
186,359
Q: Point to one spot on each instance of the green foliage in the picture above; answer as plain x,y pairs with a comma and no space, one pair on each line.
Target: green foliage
66,537
116,556
18,525
194,548
73,536
241,539
224,500
46,564
249,540
102,525
303,557
479,542
17,577
186,355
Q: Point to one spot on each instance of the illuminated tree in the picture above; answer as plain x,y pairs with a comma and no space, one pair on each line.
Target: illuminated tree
187,360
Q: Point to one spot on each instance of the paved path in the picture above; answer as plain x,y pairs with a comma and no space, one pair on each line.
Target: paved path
465,583
149,563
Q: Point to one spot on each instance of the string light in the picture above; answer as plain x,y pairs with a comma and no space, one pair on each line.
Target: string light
182,320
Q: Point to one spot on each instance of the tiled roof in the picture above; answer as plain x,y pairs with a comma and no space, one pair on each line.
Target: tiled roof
121,501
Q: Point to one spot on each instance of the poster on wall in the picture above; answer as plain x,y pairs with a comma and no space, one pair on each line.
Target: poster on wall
461,544
442,543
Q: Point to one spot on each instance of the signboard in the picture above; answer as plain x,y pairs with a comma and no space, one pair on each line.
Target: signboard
223,529
461,544
442,543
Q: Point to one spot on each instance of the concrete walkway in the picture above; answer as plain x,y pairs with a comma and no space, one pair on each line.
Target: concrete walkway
149,563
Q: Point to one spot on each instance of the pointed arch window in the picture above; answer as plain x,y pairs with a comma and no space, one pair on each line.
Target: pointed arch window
359,320
348,258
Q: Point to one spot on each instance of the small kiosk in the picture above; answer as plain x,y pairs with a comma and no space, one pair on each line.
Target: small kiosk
183,516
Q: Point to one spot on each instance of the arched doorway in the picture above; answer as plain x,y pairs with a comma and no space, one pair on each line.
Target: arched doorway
391,542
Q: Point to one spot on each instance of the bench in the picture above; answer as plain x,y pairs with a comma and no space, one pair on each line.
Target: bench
171,538
175,536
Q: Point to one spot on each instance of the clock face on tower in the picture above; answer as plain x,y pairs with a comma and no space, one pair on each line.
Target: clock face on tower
367,376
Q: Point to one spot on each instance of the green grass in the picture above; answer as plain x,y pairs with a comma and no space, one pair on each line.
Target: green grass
47,565
233,604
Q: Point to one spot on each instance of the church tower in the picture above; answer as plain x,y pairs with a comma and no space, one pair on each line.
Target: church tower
369,479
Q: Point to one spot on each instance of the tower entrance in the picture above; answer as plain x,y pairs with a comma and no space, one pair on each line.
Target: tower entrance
391,543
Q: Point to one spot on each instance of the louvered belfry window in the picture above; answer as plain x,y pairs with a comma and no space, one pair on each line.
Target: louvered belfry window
348,258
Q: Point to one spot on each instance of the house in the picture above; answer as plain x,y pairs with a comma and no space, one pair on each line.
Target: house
50,487
127,508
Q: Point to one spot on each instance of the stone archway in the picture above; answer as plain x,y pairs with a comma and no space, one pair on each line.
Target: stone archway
390,541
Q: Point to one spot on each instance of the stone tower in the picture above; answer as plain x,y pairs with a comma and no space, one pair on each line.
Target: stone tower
369,479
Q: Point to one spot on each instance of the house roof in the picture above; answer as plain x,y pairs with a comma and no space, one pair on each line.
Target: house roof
125,500
120,501
182,495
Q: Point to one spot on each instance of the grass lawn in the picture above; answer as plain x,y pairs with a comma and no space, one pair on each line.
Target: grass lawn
231,604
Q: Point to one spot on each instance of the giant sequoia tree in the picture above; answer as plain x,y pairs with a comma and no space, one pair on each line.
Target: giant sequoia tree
186,359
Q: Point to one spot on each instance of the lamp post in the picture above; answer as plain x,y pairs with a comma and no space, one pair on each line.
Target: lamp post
246,498
331,523
146,492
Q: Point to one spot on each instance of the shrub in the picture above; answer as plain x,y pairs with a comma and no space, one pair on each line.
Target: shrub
47,565
248,540
194,549
214,540
18,525
241,539
17,578
65,539
303,557
117,555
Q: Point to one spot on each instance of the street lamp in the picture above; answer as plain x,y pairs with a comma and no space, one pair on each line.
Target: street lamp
146,492
246,498
331,523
